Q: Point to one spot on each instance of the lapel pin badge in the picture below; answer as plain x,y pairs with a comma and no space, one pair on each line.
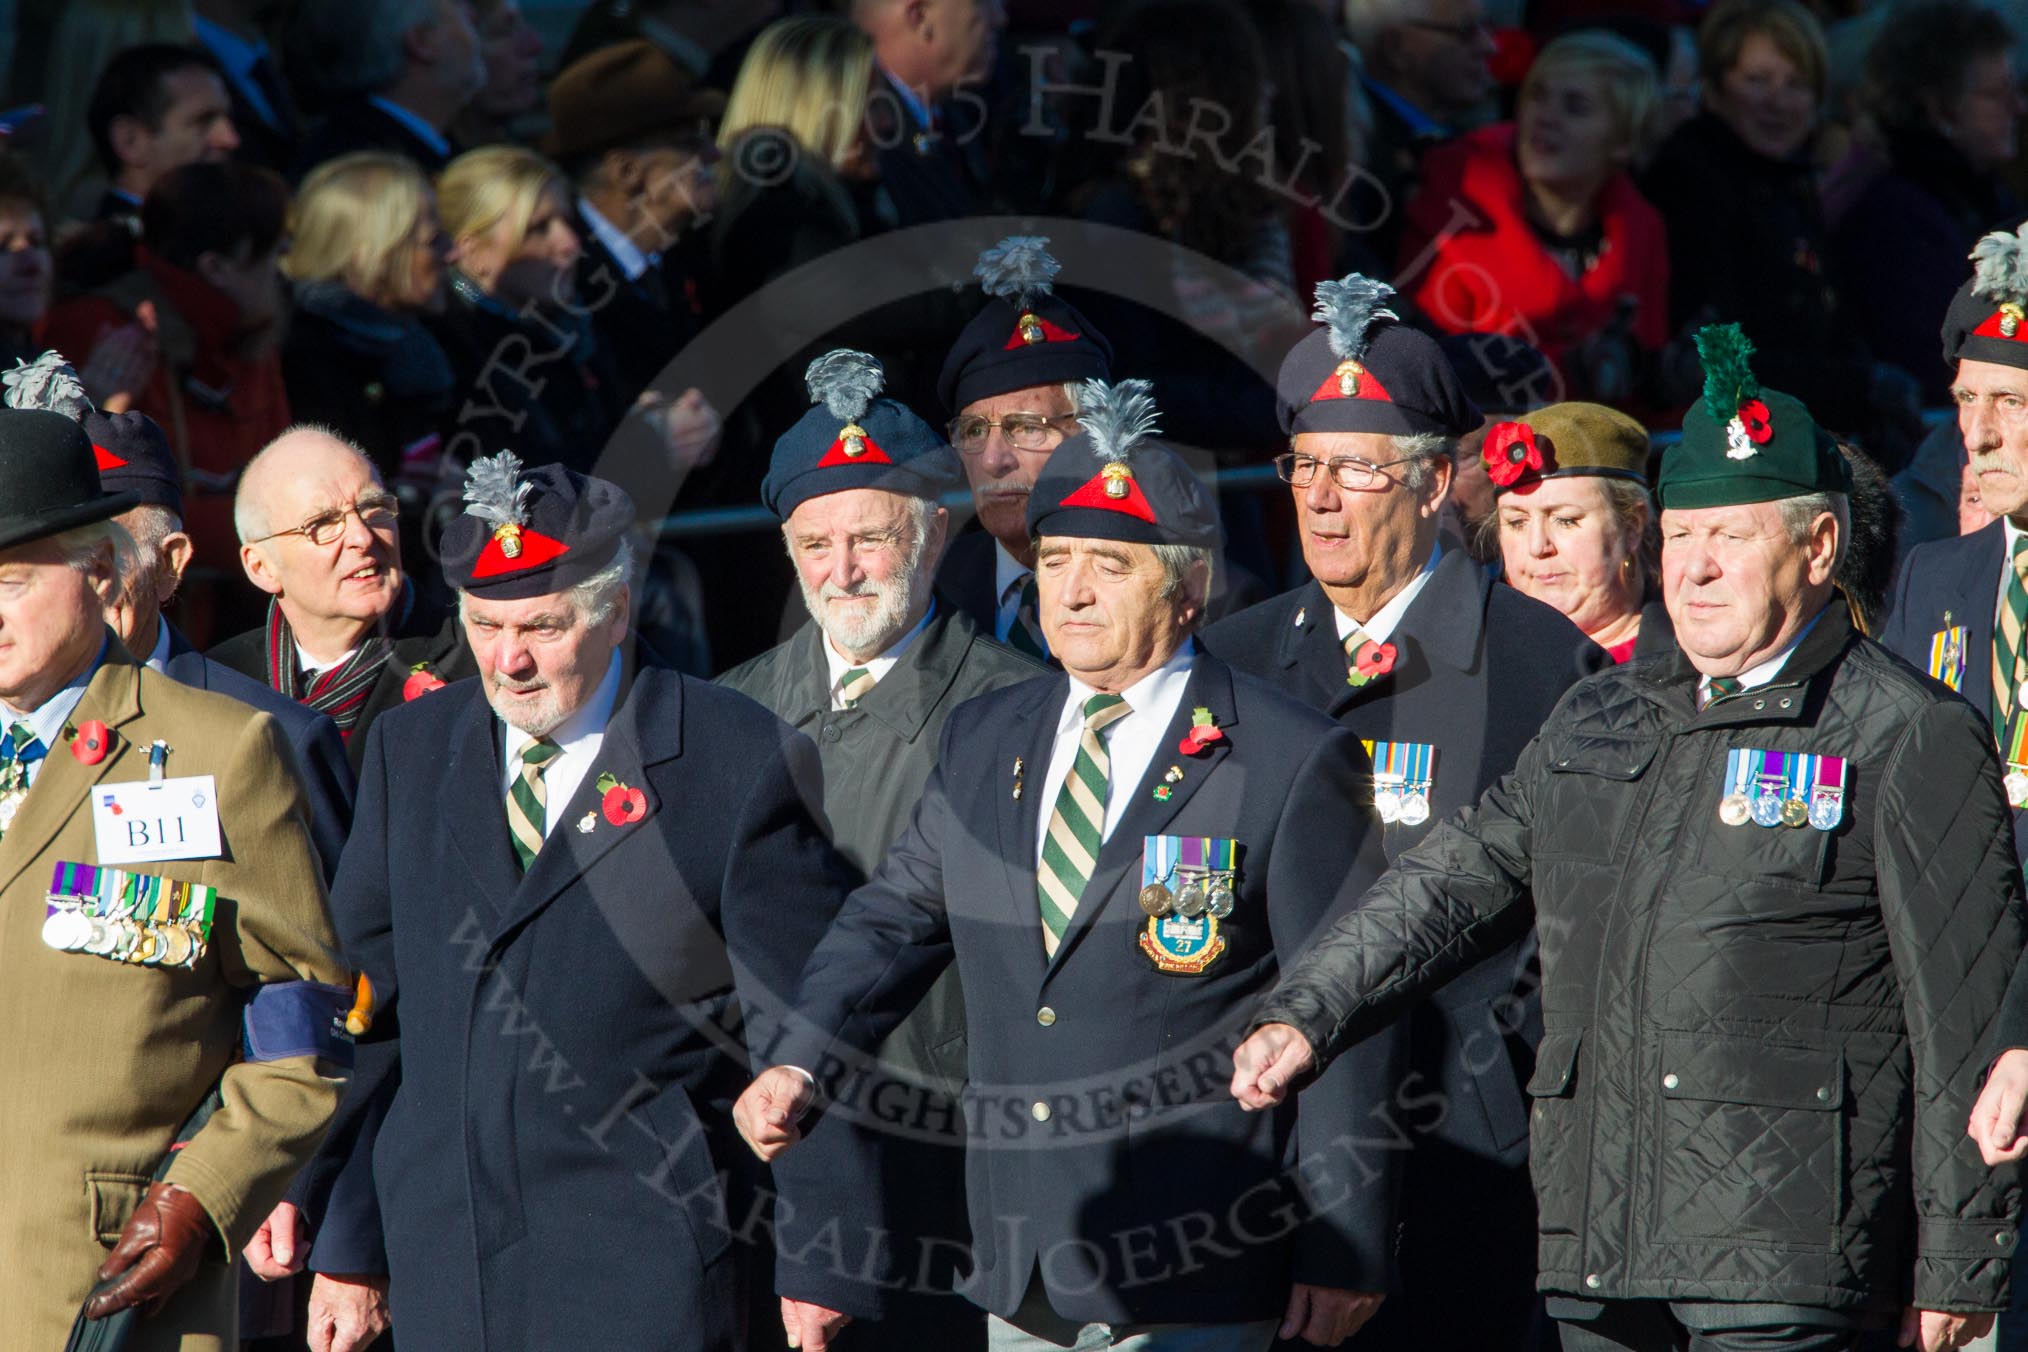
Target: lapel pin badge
587,822
1018,767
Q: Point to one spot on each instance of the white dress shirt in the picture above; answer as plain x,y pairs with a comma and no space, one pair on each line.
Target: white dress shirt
618,243
879,666
312,668
1132,742
581,735
1382,626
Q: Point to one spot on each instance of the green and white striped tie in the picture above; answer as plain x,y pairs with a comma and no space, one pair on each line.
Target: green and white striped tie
855,685
1077,825
1025,634
528,802
2008,657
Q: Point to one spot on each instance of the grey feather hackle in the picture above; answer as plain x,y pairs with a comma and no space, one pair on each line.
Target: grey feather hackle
49,382
1117,417
494,491
845,382
1018,268
1348,309
2000,266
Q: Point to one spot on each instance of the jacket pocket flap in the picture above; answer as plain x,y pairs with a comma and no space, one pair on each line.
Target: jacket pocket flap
1555,1064
1607,757
1732,1071
113,1198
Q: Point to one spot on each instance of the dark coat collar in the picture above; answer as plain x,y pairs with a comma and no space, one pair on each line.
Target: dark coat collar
1790,697
903,700
1443,627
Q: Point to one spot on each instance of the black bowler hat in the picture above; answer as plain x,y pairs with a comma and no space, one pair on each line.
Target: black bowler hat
532,534
49,481
852,438
1366,371
1026,336
1113,481
1988,318
133,454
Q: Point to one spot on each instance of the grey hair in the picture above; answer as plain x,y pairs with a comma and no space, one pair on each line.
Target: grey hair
596,596
249,521
1798,513
1419,452
357,44
81,547
1177,562
921,513
1072,389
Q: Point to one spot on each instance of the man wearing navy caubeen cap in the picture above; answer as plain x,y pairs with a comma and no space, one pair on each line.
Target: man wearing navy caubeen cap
1118,858
561,874
871,679
1414,647
1010,384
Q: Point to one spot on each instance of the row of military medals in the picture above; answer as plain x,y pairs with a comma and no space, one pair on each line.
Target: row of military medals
1783,788
128,917
1402,775
1202,871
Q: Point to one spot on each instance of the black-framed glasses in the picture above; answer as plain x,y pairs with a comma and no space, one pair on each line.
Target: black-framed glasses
1349,472
376,511
1024,431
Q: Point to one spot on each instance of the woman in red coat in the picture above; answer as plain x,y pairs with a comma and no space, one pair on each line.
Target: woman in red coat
1534,229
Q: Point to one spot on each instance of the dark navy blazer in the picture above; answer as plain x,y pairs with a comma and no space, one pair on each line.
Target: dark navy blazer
550,1167
1479,669
1105,1150
1942,585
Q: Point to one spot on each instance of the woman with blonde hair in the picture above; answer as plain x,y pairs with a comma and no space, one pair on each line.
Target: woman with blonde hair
797,179
366,263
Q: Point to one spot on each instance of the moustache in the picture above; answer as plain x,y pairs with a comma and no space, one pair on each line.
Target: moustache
519,687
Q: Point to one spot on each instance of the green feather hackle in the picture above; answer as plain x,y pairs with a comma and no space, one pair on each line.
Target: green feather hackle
1728,377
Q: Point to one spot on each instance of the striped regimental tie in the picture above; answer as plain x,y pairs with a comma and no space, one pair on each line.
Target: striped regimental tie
1077,825
855,685
527,800
1025,634
1721,687
2009,667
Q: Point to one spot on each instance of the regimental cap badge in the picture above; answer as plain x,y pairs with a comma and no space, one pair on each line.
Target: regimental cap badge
1020,271
2000,277
846,383
1116,418
495,493
1731,391
1349,309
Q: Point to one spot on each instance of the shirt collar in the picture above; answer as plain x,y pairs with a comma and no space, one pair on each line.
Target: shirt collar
1162,685
423,131
838,665
918,111
2013,533
1007,570
1756,676
1383,624
47,722
623,249
1419,122
159,658
582,729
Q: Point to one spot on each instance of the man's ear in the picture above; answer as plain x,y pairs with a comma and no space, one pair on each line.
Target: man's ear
939,529
177,549
1443,473
260,570
130,138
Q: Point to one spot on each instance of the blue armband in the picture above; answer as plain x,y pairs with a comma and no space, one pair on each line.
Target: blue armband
297,1018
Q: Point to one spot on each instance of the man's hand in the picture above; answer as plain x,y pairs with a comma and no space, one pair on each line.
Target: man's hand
1325,1316
157,1252
767,1113
1997,1116
811,1327
1267,1063
1934,1331
346,1313
279,1248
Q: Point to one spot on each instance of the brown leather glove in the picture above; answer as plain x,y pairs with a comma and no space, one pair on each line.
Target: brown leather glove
157,1253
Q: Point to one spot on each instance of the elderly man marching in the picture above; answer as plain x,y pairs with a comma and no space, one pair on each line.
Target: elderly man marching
871,679
561,877
163,943
1778,906
1118,858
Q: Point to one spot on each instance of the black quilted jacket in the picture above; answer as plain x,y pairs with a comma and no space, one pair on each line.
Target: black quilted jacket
1761,1044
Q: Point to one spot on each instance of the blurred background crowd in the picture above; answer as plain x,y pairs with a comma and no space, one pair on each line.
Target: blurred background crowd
613,234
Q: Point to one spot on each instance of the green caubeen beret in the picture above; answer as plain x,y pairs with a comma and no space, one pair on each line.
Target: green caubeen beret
1743,444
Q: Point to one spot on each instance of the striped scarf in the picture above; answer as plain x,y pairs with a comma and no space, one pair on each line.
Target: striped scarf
340,692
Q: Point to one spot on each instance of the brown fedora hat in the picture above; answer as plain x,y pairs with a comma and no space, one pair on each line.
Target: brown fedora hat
624,93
